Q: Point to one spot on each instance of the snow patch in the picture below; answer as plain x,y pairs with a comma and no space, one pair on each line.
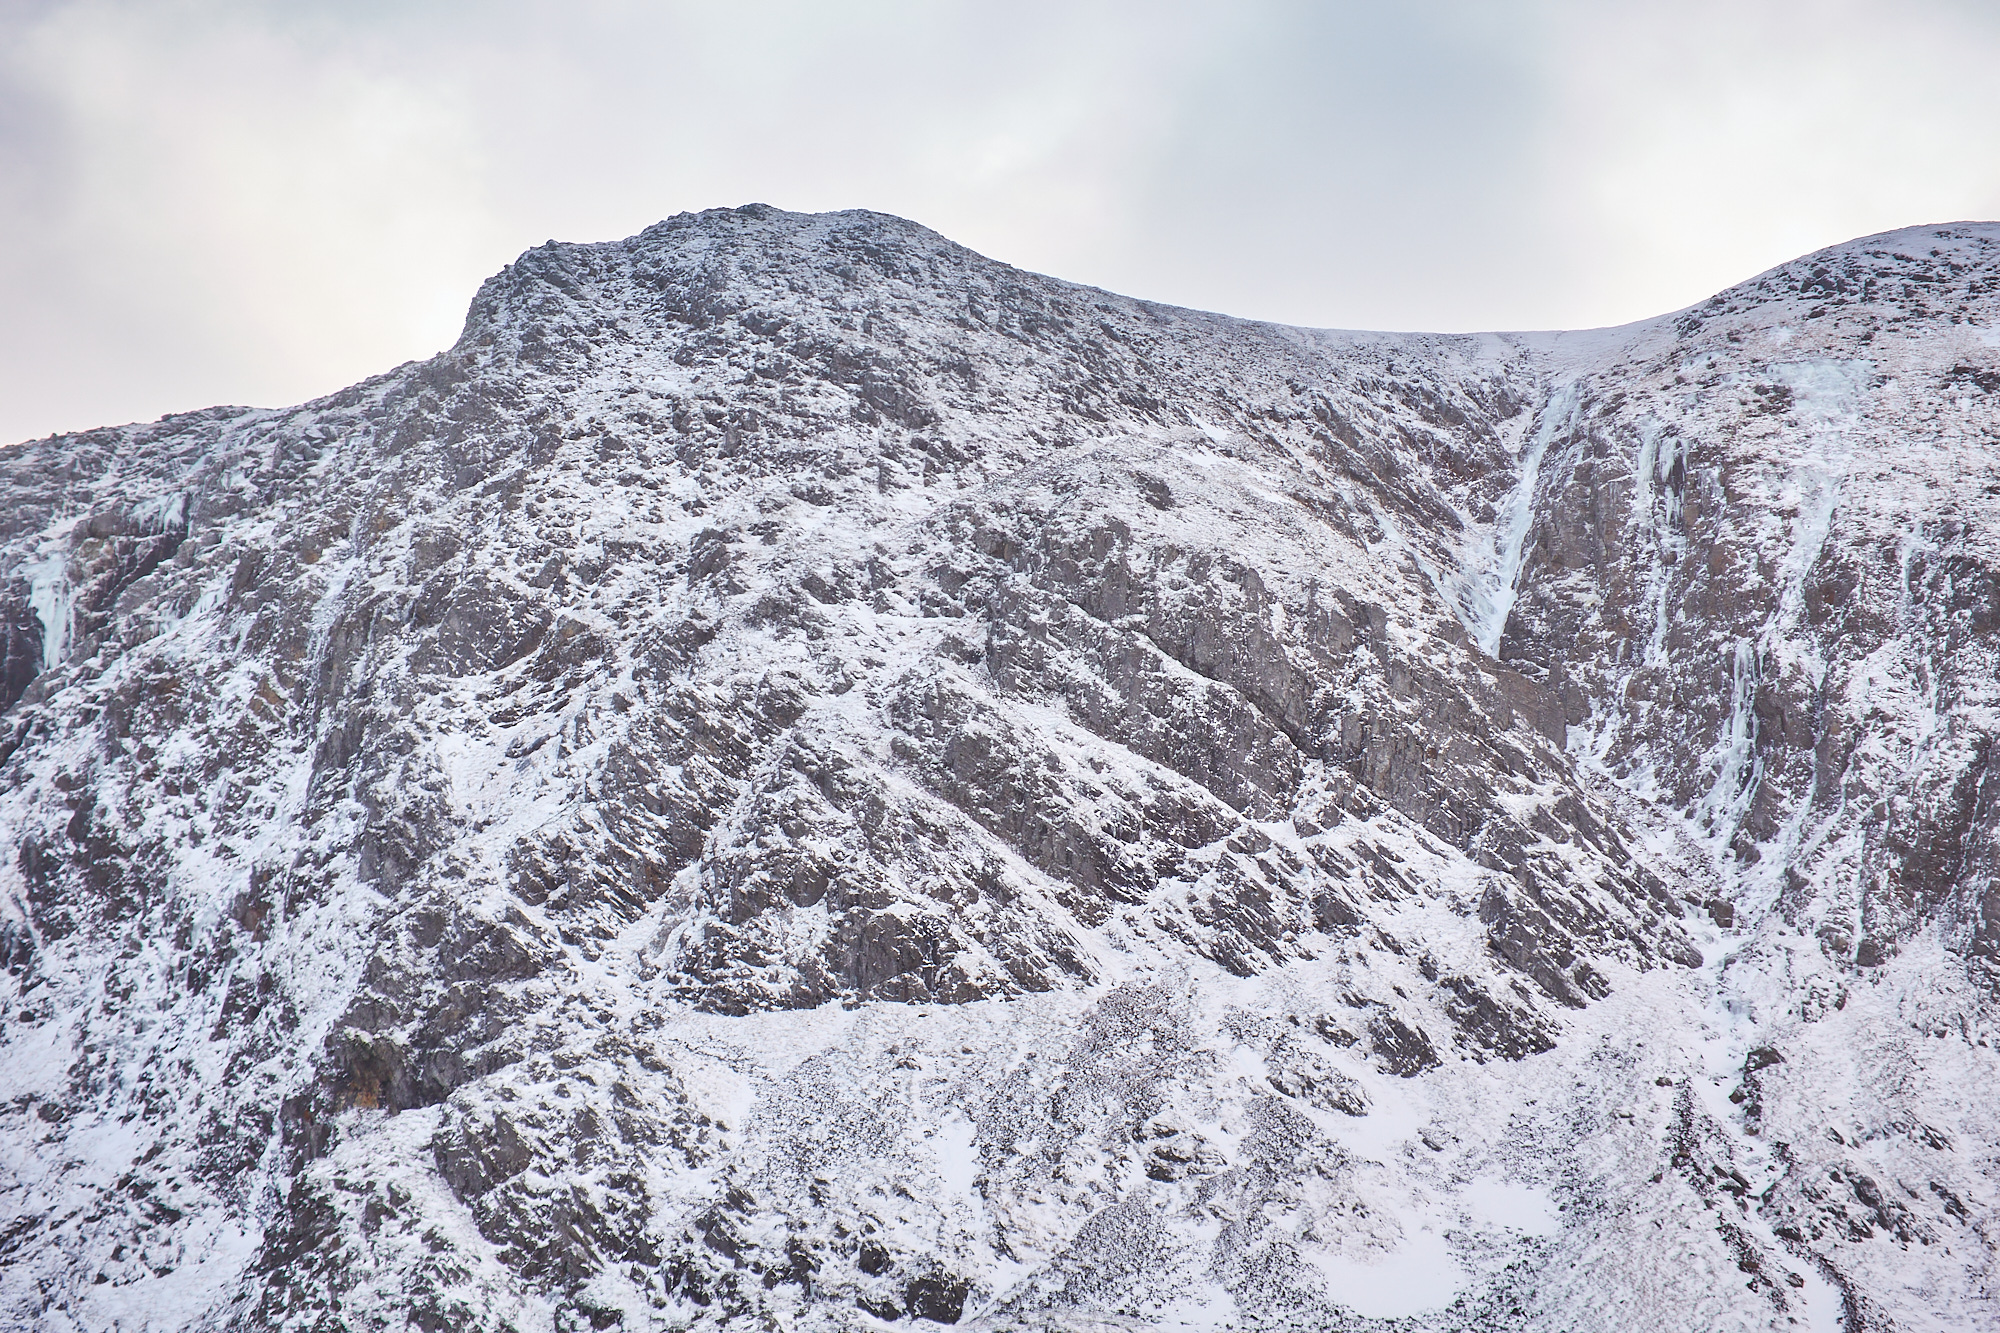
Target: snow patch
1504,1203
1416,1276
958,1159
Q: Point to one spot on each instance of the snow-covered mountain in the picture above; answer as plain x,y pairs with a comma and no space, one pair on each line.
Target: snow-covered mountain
800,777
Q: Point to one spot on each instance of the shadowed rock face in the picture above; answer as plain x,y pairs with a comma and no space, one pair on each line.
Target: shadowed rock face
800,774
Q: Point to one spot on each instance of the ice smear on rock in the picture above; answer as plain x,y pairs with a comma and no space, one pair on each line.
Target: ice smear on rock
1491,574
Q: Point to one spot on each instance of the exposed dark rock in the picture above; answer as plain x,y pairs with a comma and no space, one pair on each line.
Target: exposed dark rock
798,776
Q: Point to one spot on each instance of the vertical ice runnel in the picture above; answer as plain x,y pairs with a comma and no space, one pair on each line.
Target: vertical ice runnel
1492,567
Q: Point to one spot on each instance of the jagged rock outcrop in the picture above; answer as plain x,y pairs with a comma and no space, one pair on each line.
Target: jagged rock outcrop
800,775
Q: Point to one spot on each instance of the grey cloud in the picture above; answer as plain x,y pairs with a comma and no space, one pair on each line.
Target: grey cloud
213,201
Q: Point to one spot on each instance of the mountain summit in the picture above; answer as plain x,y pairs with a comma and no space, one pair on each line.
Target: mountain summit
801,777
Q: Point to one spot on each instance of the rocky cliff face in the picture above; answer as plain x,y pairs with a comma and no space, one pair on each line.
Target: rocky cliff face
802,777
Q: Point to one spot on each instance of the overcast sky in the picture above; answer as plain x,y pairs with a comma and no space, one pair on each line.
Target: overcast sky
211,201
